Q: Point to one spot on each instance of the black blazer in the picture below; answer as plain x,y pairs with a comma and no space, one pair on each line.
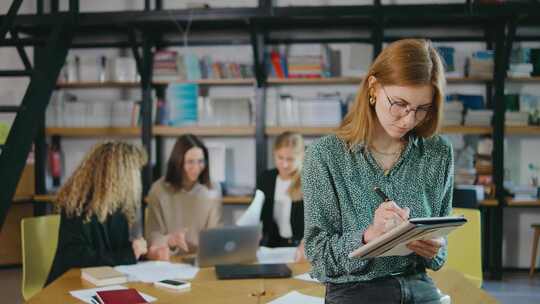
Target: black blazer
266,182
91,244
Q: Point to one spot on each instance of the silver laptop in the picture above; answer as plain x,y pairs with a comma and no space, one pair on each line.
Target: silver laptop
228,245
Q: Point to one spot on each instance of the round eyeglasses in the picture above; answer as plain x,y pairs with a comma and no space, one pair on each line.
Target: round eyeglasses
400,109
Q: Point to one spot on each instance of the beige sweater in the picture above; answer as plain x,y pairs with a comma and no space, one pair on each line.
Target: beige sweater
170,211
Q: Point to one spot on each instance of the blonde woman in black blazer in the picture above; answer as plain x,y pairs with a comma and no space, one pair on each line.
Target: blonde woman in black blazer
282,214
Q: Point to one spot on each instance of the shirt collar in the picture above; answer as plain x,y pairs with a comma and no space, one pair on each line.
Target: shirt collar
413,138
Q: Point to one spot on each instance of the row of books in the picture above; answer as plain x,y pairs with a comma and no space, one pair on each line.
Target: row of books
100,68
93,113
321,110
169,65
297,61
184,106
521,110
524,62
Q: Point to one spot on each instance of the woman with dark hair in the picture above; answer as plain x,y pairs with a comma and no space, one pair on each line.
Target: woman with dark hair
183,202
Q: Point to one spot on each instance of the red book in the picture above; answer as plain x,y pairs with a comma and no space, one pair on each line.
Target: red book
121,296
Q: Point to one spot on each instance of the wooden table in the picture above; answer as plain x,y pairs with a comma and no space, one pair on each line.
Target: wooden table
205,288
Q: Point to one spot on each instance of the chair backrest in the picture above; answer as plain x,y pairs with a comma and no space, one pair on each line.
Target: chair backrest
465,246
39,241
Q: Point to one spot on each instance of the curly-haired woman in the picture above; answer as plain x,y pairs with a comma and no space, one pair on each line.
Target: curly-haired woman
98,205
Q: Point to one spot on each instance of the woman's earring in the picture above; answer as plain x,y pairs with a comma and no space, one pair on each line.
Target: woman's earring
371,100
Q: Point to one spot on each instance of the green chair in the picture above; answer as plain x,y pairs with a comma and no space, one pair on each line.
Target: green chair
465,246
39,241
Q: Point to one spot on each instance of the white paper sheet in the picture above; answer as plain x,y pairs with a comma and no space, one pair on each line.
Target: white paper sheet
294,297
154,271
306,277
252,216
266,255
85,295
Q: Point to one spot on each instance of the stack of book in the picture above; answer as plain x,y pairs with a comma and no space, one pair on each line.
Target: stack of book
481,64
92,113
165,66
453,113
478,117
530,104
225,111
103,275
324,111
520,70
181,104
520,63
304,61
517,118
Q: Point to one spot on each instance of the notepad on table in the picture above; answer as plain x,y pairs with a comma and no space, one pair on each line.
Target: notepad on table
394,242
103,275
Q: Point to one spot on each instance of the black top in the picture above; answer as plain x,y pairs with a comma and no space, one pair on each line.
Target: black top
91,244
266,182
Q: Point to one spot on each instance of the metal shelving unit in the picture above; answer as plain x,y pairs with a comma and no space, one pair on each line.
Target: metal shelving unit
142,31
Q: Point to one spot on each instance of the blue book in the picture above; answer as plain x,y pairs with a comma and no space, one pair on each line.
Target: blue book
193,69
181,104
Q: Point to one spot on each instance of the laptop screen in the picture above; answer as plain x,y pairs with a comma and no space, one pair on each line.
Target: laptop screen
228,245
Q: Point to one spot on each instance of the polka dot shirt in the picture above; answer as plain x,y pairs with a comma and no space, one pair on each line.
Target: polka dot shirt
340,203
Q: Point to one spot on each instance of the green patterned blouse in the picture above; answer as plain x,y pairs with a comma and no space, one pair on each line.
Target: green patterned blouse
340,203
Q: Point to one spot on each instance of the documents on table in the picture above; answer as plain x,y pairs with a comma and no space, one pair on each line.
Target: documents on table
278,255
150,272
306,277
294,297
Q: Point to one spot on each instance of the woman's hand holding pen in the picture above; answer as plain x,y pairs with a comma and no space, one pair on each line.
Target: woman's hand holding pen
426,248
387,216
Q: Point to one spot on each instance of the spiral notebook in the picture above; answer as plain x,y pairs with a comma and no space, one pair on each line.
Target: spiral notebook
393,243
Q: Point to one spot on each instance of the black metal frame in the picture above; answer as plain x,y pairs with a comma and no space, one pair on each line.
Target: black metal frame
497,20
49,62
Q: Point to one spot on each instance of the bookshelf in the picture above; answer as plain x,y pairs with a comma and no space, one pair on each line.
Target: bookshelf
524,79
468,130
527,203
315,81
360,16
213,82
489,203
204,131
230,200
96,85
122,84
315,131
524,130
237,200
358,80
309,131
93,131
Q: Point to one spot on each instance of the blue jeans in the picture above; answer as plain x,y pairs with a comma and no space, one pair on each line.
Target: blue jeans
407,289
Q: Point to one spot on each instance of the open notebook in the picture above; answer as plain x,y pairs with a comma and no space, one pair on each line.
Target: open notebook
394,241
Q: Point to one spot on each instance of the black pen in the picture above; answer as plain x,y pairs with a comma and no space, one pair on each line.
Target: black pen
381,194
